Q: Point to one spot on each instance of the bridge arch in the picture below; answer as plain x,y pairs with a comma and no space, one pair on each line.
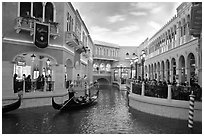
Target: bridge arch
103,80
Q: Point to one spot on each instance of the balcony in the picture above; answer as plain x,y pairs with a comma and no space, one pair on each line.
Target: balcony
71,39
106,57
85,54
27,24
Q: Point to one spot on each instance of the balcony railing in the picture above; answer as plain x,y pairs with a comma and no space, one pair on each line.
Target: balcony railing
27,24
106,57
71,39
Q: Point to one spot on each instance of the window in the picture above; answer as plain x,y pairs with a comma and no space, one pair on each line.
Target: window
102,67
25,9
68,21
95,67
102,51
72,25
184,29
37,10
49,12
97,53
108,67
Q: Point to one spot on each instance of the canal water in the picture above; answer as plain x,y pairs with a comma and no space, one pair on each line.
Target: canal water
111,115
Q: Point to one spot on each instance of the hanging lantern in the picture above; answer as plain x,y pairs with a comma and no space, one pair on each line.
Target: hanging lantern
48,62
33,57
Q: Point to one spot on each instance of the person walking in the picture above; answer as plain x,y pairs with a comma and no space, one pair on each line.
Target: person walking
15,83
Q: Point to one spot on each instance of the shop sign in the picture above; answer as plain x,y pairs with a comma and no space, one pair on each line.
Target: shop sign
21,63
41,35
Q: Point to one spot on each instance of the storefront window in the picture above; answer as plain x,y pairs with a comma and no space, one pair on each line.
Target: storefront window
37,71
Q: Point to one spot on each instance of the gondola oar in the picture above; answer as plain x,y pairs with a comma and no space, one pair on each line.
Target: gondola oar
66,103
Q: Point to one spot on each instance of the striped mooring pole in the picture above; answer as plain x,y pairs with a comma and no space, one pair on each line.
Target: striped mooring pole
191,111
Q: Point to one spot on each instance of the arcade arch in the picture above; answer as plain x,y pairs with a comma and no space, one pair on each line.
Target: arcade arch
182,74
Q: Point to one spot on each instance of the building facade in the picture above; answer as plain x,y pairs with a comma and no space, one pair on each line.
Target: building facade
172,53
105,55
56,63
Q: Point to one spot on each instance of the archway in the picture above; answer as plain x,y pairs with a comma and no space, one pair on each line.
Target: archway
102,68
173,68
149,72
191,66
158,70
162,71
96,67
167,70
155,71
103,81
68,72
152,73
182,69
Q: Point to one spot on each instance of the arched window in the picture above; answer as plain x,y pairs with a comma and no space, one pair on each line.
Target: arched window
108,67
102,67
97,51
49,12
95,67
38,10
25,9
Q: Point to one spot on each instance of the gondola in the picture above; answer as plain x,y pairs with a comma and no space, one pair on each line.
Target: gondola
13,106
76,103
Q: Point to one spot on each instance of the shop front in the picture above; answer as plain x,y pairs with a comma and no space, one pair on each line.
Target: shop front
33,72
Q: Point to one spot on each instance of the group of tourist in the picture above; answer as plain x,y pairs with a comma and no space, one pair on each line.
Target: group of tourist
38,84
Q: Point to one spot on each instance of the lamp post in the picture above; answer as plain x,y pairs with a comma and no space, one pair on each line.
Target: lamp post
121,66
133,60
142,56
33,57
131,65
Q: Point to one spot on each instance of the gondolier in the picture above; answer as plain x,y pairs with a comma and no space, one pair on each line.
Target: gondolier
71,90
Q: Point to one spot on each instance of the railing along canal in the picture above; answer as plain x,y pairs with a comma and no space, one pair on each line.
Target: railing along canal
166,91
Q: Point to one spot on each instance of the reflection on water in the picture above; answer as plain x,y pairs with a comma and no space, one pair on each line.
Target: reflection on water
110,115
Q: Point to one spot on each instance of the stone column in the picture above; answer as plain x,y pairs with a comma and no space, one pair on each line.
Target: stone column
143,88
169,92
